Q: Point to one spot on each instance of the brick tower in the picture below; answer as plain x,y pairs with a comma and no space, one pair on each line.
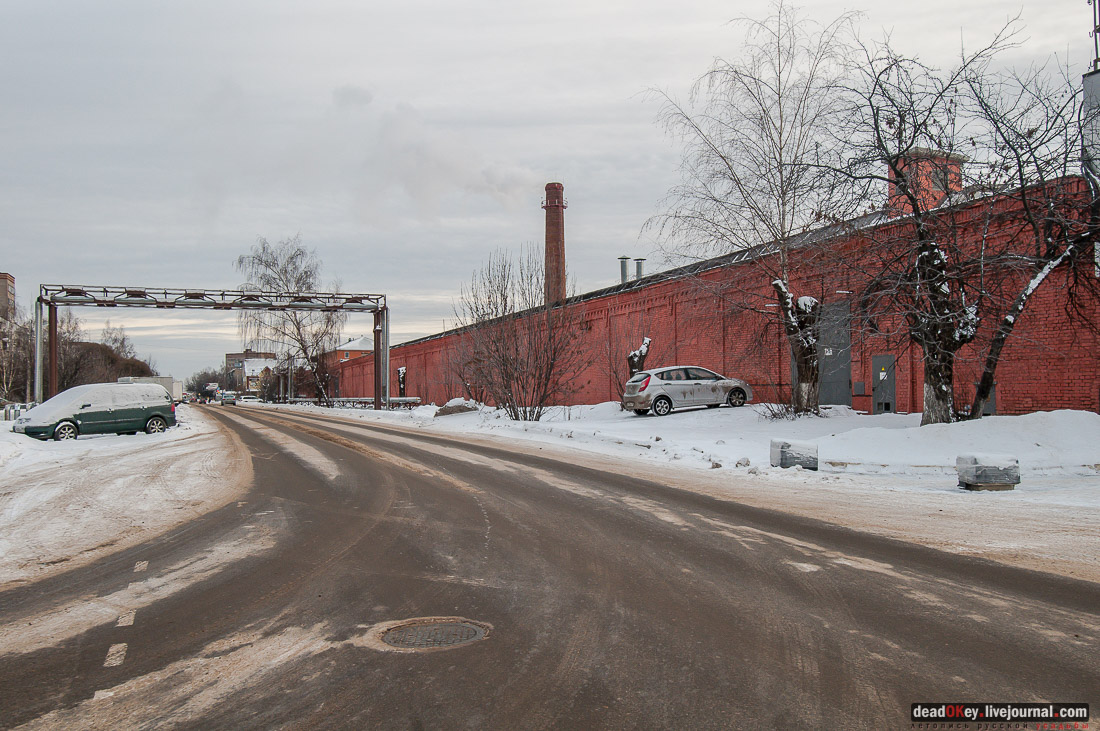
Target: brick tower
554,263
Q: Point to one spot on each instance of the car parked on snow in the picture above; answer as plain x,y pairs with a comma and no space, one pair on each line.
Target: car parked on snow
100,408
675,387
248,399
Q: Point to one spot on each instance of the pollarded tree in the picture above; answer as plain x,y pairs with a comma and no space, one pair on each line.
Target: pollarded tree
288,267
758,168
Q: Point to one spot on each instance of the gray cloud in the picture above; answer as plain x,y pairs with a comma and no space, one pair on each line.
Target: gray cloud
146,143
351,96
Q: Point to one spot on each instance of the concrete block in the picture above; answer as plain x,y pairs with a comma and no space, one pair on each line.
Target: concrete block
786,453
988,471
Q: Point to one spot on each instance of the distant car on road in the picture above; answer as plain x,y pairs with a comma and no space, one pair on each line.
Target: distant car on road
674,387
229,398
100,408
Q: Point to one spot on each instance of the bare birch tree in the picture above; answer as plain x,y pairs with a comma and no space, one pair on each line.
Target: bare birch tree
16,356
523,354
757,167
288,267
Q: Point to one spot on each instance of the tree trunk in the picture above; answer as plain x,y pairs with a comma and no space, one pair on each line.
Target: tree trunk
939,401
805,396
1004,330
800,325
992,358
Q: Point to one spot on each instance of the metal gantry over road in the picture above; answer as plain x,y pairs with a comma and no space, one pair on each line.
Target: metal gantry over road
52,296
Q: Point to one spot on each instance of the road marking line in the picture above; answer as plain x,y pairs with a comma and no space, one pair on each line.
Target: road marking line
115,655
126,620
141,566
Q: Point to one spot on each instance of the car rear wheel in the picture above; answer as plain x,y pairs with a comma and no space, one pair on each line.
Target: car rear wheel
65,430
736,397
641,412
662,405
156,425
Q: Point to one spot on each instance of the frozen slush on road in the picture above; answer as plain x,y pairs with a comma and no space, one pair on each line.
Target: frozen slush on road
883,474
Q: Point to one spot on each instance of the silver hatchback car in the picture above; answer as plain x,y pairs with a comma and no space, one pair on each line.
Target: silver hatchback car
665,389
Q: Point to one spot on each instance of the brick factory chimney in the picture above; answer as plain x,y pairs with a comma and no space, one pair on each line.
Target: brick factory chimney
554,263
934,175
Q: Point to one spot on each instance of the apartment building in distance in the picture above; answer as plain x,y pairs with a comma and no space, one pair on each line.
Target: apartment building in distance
7,296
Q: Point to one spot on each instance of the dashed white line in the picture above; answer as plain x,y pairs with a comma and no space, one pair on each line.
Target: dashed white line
126,620
141,566
115,655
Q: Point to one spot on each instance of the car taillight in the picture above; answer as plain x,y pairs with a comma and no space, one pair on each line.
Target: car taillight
173,407
644,384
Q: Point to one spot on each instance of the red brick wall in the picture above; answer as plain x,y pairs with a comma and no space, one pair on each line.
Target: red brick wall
1050,361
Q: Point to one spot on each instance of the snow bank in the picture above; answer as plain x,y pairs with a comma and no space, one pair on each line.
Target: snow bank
65,503
1045,443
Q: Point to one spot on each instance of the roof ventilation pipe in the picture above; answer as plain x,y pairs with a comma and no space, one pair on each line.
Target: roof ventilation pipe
623,275
638,274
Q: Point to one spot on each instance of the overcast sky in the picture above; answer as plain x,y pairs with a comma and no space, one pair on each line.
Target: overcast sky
147,143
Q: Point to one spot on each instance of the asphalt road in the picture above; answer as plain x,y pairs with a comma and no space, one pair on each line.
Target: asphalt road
609,602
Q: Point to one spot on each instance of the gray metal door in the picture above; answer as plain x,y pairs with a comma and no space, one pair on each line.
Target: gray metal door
835,354
883,385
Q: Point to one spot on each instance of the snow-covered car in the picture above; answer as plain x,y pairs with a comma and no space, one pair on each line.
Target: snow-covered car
674,387
100,408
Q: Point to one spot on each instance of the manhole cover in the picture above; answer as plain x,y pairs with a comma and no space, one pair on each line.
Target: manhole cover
424,634
434,634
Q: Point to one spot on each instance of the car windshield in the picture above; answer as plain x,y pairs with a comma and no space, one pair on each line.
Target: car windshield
60,405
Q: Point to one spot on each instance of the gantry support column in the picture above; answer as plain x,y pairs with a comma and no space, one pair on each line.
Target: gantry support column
38,384
386,356
378,360
52,391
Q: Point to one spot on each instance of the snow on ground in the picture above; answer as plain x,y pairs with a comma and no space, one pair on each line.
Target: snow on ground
883,473
63,504
1059,443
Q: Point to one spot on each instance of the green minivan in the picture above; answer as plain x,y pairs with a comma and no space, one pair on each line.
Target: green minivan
100,408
